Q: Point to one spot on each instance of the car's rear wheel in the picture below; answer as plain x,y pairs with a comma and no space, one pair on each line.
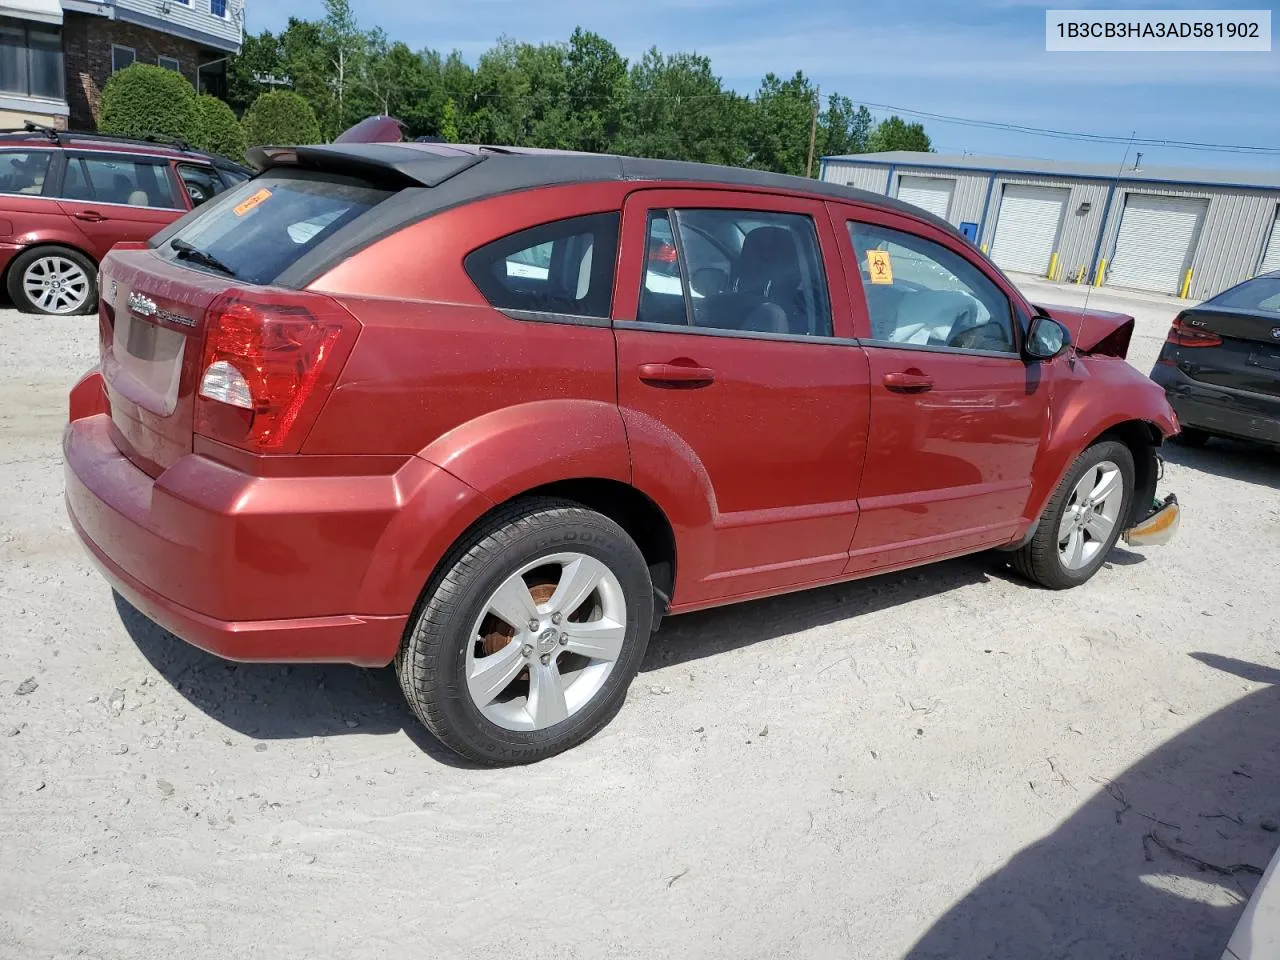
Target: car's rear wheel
56,281
1192,437
1083,519
528,637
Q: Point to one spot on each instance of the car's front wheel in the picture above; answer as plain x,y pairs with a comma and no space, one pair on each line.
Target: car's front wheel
529,636
1083,519
57,281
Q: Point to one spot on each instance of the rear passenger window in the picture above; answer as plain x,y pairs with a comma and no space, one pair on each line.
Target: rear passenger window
752,272
561,267
129,183
23,173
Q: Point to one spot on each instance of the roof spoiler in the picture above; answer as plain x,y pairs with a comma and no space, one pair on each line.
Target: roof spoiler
386,163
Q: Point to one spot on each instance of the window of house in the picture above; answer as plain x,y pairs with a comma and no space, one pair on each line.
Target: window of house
561,267
128,182
218,8
122,57
170,63
31,59
24,172
922,293
746,271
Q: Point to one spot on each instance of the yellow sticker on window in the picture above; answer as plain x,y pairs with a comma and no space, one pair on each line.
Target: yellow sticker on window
880,266
245,206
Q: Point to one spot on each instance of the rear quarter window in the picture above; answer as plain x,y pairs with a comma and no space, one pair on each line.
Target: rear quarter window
262,227
564,267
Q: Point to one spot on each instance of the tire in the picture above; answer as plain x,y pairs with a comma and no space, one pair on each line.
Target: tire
1046,559
76,274
455,629
1192,437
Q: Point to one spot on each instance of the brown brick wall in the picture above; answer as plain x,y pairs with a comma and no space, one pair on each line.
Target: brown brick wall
87,40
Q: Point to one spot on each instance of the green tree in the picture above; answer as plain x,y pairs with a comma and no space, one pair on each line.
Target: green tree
143,101
448,129
596,82
220,131
781,120
841,128
677,108
345,47
261,58
280,118
894,133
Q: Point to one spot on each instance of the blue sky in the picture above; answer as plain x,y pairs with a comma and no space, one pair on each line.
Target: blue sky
983,59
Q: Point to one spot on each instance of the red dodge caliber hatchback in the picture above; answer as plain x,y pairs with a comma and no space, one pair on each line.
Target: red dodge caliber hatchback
490,414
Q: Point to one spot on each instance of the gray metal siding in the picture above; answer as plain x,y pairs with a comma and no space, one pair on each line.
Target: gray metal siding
966,197
1231,237
864,176
1079,233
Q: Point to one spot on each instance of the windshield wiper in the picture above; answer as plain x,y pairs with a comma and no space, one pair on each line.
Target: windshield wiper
187,251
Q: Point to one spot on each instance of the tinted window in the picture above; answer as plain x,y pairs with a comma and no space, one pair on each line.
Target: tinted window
31,59
261,228
1260,294
121,57
560,267
920,292
753,272
201,183
129,182
23,172
75,183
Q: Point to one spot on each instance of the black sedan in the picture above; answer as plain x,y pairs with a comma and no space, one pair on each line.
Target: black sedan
1220,365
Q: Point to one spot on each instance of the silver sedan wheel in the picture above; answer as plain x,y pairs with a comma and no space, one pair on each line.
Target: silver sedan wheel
56,284
546,642
1092,513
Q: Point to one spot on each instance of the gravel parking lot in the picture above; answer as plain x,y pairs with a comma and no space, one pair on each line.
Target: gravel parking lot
940,763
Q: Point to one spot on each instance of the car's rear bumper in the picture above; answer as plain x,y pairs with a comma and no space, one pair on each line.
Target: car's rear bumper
1220,410
283,568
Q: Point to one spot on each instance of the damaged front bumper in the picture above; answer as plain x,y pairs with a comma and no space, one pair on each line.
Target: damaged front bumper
1159,526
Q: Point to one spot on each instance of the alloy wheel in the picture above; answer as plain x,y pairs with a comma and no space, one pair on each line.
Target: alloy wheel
546,641
1091,515
56,284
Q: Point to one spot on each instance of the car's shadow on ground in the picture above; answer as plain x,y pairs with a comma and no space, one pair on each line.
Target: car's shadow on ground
1120,877
271,701
1232,459
275,702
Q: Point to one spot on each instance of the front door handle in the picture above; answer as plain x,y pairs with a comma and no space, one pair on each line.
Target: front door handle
676,374
92,216
908,381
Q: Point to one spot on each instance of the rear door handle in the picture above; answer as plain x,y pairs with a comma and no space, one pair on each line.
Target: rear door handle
676,373
908,381
92,216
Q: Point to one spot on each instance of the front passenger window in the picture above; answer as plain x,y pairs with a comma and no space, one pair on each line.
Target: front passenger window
919,292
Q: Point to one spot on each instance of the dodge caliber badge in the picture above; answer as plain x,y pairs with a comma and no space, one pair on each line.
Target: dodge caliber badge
144,306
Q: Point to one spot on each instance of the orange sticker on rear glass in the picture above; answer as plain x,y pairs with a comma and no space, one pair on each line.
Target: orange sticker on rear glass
880,266
245,206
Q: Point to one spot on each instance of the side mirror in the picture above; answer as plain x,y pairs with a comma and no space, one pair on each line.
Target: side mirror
1046,339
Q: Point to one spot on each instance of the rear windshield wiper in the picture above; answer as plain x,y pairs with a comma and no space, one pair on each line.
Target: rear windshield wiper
187,251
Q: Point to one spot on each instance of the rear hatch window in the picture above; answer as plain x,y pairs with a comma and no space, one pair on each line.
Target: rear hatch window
259,229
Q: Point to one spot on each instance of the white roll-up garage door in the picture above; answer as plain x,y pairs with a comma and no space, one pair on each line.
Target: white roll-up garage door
1271,259
931,193
1156,242
1027,226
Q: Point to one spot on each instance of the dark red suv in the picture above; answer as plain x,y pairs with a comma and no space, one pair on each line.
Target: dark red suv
66,198
491,414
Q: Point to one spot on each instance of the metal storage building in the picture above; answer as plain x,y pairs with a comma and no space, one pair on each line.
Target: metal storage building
1181,231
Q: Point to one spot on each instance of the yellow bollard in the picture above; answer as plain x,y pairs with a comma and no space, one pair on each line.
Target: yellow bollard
1186,285
1102,272
1053,265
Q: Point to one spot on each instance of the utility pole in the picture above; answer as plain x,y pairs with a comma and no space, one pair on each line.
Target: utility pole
813,132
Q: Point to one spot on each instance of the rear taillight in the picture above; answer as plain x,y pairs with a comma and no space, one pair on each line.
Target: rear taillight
269,361
1183,334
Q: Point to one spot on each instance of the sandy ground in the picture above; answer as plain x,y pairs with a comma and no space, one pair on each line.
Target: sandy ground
941,763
